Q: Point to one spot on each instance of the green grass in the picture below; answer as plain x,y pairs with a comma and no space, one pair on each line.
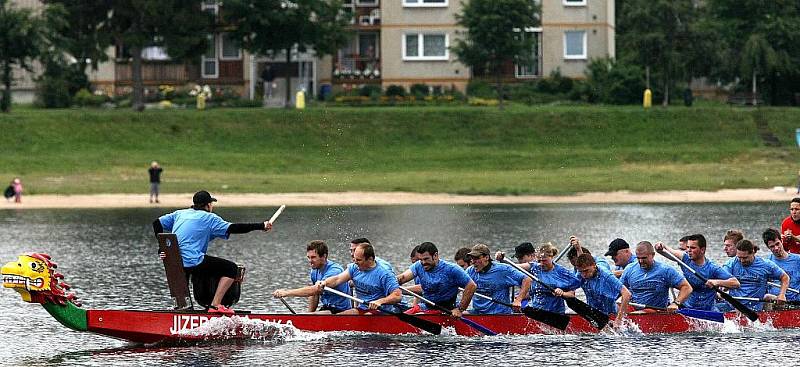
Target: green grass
522,150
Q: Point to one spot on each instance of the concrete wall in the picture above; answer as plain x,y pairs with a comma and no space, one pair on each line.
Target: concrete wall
596,18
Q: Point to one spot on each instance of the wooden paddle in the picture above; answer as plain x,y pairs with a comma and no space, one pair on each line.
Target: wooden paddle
473,324
688,312
553,319
287,305
597,318
426,325
277,213
753,299
752,315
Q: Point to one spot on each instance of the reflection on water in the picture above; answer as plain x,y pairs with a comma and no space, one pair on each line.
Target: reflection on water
109,257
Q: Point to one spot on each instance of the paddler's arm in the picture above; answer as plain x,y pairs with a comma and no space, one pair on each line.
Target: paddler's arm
313,302
237,228
623,307
405,276
677,253
333,281
306,291
684,290
729,283
394,297
784,287
524,290
466,298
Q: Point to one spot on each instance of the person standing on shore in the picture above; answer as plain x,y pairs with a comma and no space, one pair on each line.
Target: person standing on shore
17,185
155,180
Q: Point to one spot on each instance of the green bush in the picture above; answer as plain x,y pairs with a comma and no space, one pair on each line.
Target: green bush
52,92
85,98
555,83
612,82
420,90
370,90
395,91
528,93
241,102
481,89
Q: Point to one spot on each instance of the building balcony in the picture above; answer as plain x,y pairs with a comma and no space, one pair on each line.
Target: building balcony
354,68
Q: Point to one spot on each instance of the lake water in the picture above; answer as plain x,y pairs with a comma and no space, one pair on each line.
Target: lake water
109,257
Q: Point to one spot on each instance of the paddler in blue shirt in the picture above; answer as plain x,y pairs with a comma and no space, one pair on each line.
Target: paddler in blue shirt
650,281
703,296
789,262
552,274
494,280
577,250
601,287
321,269
374,284
439,280
754,273
620,252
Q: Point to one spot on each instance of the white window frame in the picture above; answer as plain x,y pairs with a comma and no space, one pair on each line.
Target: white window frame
421,46
535,32
574,3
222,55
215,59
365,3
204,5
585,44
423,4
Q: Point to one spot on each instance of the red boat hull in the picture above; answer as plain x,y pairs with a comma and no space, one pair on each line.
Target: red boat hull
167,326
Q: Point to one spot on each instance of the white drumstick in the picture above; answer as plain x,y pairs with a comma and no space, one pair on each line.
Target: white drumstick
277,213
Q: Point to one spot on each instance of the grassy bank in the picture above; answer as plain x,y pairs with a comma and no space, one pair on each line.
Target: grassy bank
543,150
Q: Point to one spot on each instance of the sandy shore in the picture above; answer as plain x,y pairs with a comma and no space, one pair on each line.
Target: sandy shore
777,194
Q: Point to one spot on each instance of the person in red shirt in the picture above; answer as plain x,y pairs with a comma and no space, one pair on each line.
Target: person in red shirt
791,227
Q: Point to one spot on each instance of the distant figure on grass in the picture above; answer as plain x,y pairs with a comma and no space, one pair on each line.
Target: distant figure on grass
155,180
15,190
9,192
195,227
268,78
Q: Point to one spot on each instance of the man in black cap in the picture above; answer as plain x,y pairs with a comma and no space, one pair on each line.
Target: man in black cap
525,253
195,227
620,252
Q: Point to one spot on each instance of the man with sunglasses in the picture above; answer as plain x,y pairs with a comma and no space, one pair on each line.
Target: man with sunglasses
650,281
620,252
494,280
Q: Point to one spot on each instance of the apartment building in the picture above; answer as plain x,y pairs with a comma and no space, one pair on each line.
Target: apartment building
403,42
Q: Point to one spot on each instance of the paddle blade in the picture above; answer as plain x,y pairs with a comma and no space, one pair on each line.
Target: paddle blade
752,315
553,319
477,326
426,325
702,314
594,316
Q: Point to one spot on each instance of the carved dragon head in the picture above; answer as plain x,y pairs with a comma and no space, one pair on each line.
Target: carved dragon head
35,278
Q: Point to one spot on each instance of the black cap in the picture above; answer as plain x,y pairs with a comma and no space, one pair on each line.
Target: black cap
525,248
202,197
616,245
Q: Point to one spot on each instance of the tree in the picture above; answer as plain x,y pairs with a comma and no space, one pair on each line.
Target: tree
24,36
494,35
759,39
179,26
661,35
275,27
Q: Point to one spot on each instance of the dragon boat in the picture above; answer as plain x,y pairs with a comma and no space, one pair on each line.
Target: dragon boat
36,280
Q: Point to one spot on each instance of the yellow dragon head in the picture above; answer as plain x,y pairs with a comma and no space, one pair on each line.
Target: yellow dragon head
35,278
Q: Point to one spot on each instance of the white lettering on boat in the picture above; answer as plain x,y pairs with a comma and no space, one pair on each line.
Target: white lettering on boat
183,323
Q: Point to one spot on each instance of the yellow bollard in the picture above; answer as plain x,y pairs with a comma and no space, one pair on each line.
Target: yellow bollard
648,98
201,101
300,100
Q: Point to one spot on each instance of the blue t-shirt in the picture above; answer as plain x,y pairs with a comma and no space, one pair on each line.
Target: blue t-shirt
602,291
327,299
194,229
440,285
753,278
651,287
372,284
385,264
494,281
702,297
791,266
601,263
558,277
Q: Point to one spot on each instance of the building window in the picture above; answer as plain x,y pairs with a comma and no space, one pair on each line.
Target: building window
230,48
425,3
366,2
575,45
420,46
532,68
211,6
209,60
574,2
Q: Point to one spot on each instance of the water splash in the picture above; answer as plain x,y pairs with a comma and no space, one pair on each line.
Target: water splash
242,326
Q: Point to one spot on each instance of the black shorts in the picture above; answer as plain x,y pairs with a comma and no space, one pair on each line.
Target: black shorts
332,309
214,267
